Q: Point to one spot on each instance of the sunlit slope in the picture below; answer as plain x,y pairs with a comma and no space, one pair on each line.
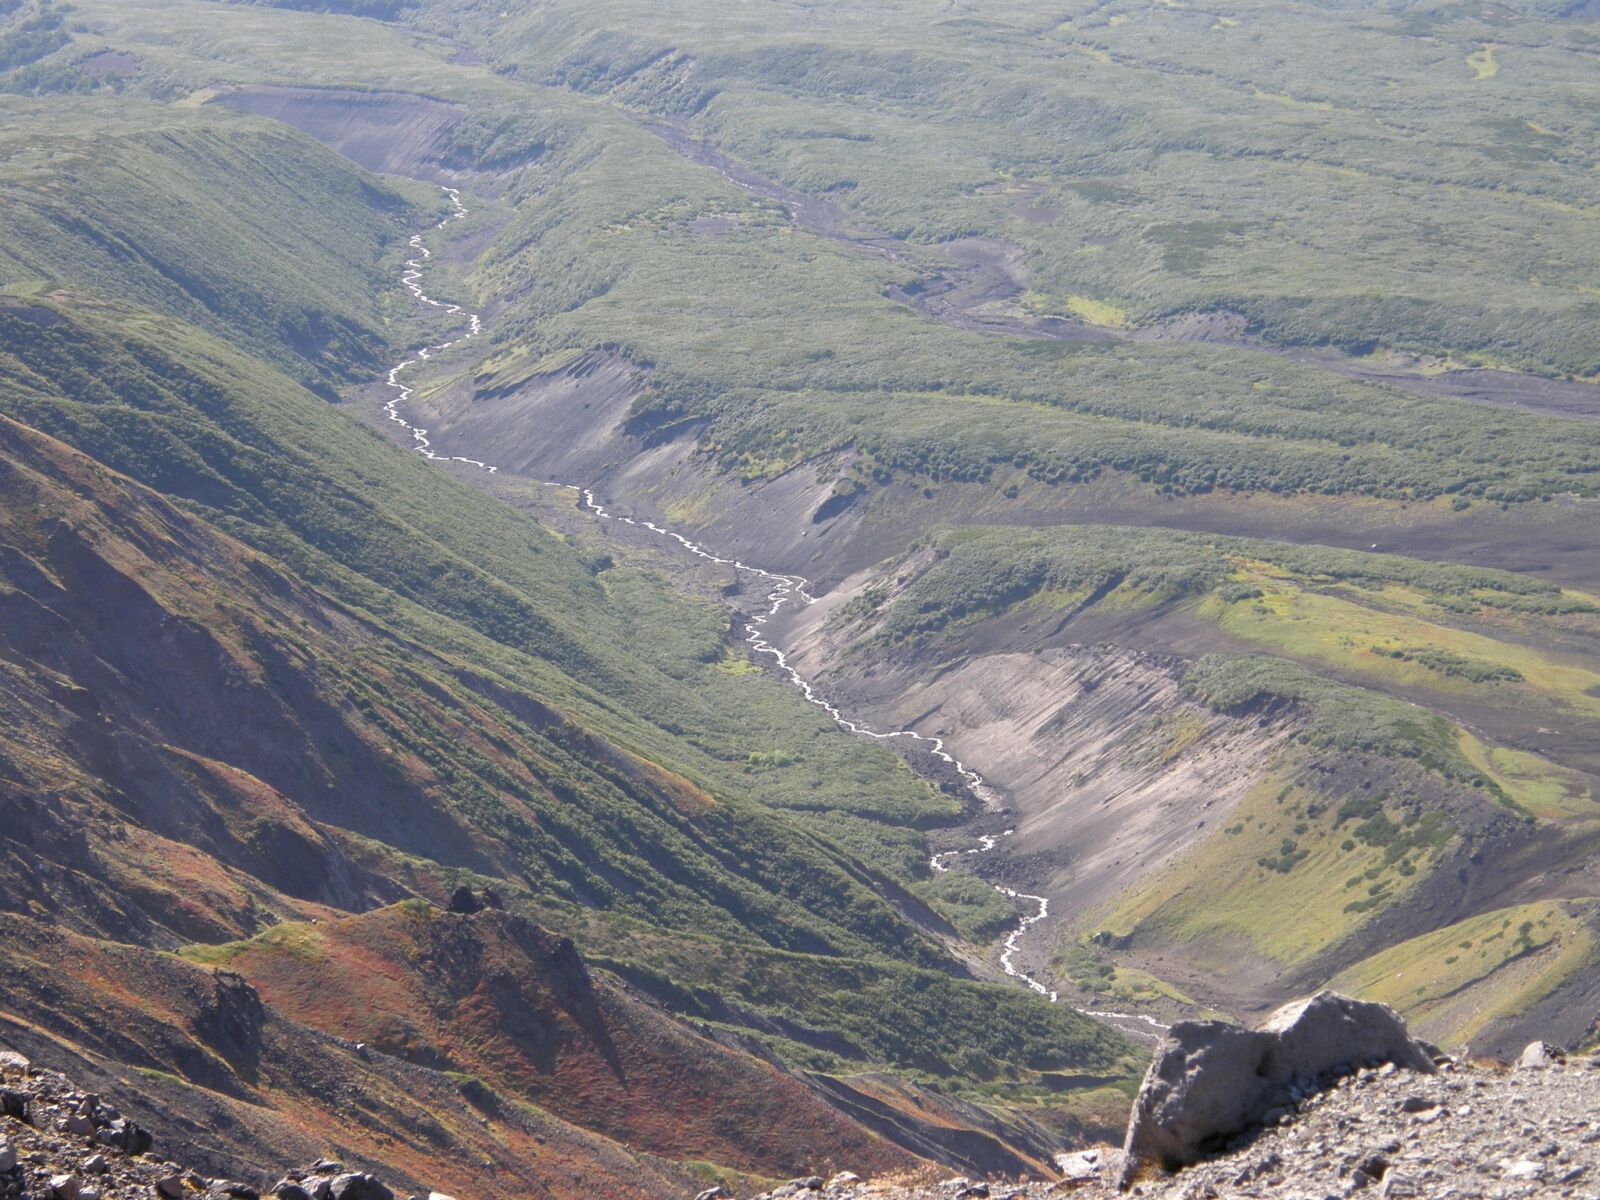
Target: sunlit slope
1442,748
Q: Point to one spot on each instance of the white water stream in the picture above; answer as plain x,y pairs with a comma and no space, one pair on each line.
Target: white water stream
784,589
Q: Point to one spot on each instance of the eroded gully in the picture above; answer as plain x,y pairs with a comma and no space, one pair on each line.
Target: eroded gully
784,589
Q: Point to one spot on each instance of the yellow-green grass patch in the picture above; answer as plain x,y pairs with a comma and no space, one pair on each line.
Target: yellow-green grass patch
1391,647
1534,784
1452,983
1219,893
1482,62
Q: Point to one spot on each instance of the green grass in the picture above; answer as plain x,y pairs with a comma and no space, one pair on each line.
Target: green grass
578,717
1456,982
1245,887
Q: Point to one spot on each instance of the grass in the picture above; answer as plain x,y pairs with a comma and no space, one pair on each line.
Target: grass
1534,784
575,717
1456,982
1245,888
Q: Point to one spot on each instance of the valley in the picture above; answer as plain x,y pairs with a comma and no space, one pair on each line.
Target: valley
858,569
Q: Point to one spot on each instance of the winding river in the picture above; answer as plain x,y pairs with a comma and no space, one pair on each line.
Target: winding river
783,589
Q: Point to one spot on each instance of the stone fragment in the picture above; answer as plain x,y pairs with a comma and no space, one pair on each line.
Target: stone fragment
1541,1054
711,1193
14,1105
95,1164
10,1060
170,1186
1524,1168
844,1179
354,1186
64,1187
1081,1167
8,1155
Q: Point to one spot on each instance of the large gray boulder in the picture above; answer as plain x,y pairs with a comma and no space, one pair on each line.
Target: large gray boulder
1211,1080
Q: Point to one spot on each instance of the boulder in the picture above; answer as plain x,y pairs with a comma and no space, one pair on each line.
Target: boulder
358,1187
124,1135
1541,1054
15,1106
1083,1167
1210,1080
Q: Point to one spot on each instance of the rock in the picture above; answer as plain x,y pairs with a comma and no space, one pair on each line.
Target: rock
8,1155
1417,1104
170,1186
95,1164
64,1187
464,902
358,1187
711,1193
14,1105
89,1193
1400,1187
1081,1167
1541,1054
1210,1080
125,1136
10,1060
1524,1168
807,1183
80,1125
844,1179
442,1196
289,1190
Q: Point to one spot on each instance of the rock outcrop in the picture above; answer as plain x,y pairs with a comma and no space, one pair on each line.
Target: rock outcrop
1211,1080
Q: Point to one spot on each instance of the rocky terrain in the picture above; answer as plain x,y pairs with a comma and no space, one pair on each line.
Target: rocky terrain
1460,1129
60,1143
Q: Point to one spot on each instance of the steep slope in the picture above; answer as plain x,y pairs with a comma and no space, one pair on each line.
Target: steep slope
235,1088
1179,804
496,998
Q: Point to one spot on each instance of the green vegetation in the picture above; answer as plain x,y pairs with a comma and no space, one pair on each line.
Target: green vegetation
1456,982
1246,889
575,716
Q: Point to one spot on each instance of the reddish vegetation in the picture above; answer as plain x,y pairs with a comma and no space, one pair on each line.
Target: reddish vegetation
496,997
196,748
